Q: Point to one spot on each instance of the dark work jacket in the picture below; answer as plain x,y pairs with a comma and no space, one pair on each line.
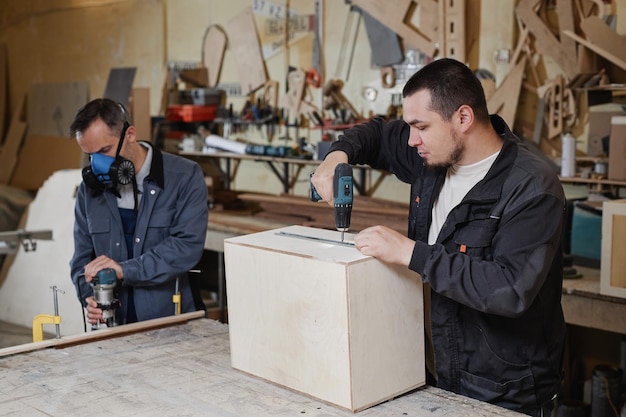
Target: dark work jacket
168,239
495,271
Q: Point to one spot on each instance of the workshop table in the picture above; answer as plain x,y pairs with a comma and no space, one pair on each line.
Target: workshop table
181,370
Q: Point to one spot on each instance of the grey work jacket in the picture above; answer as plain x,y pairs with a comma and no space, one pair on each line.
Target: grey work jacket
495,271
169,236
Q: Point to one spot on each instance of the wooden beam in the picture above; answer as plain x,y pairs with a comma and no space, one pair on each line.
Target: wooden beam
107,333
598,50
504,100
546,43
452,32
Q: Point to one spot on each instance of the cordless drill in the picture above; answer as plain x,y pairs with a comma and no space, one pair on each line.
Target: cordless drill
103,285
342,196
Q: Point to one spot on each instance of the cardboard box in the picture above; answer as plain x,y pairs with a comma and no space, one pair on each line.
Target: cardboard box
613,263
323,319
617,149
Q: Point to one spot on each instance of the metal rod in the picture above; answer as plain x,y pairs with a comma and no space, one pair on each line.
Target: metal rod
55,290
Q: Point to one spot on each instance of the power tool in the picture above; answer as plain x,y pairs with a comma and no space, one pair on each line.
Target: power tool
342,196
103,285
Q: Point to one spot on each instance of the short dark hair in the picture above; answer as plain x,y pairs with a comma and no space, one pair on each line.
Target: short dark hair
451,84
112,113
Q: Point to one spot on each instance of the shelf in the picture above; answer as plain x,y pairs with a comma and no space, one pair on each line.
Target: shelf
601,184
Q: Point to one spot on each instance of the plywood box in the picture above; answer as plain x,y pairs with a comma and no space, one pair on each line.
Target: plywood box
323,319
613,262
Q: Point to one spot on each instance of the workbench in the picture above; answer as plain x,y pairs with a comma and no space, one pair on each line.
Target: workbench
583,305
179,370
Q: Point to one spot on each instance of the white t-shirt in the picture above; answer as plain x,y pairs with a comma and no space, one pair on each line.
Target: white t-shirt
459,180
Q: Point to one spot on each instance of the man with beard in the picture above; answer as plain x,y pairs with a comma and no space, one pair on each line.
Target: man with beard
484,233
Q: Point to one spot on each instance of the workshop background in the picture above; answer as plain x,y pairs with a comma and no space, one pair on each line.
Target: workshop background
549,67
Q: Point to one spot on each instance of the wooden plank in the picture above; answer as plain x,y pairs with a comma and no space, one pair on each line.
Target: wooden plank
213,47
245,47
41,156
504,100
52,107
565,13
605,38
452,32
4,96
394,17
139,108
106,333
12,144
309,320
545,42
617,60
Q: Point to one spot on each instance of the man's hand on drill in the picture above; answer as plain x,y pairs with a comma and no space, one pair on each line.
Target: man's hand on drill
100,263
324,175
94,314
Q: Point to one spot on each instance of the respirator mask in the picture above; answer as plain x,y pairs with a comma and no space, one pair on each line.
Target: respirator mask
106,172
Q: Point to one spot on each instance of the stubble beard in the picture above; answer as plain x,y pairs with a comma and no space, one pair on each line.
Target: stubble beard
453,157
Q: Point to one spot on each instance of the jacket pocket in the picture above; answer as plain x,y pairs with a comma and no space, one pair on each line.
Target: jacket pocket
515,393
100,232
475,238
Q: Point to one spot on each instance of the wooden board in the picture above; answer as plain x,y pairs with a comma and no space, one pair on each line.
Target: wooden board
452,33
245,47
504,100
52,107
41,156
4,95
12,144
606,39
565,13
546,43
613,270
322,318
214,45
101,334
139,108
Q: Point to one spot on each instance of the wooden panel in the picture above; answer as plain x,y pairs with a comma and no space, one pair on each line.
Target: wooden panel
213,53
613,263
41,156
505,99
4,96
546,43
52,107
244,44
12,144
452,34
139,108
322,318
